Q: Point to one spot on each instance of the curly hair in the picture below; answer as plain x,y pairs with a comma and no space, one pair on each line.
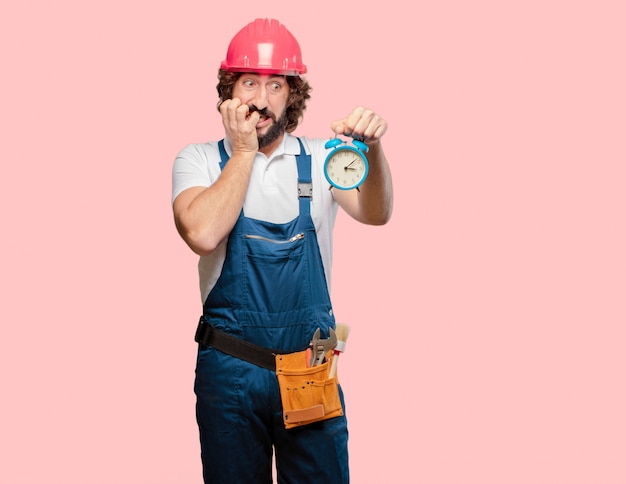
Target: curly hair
299,93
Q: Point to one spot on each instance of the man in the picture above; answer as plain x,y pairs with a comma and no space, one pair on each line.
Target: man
258,211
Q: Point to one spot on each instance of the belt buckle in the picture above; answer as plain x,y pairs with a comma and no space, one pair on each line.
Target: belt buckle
203,332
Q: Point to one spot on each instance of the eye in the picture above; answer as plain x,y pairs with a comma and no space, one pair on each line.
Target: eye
275,86
248,84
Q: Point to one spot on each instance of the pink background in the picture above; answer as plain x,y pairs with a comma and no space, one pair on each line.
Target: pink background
488,318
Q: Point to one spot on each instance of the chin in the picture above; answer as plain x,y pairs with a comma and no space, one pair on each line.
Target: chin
271,132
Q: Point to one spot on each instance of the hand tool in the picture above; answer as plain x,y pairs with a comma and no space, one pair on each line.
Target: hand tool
321,346
343,330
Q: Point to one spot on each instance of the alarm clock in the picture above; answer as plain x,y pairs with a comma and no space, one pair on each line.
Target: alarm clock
346,166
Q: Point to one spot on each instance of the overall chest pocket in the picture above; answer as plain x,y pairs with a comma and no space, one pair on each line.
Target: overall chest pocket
276,273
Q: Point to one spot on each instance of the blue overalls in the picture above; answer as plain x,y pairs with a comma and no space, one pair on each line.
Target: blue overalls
272,292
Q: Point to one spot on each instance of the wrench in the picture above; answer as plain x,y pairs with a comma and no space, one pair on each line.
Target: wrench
322,346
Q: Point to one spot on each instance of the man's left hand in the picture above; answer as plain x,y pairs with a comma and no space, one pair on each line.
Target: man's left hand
361,123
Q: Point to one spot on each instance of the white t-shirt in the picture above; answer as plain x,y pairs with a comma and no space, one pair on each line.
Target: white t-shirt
272,194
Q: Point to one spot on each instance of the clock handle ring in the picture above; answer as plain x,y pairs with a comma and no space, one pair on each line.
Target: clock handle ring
360,145
331,143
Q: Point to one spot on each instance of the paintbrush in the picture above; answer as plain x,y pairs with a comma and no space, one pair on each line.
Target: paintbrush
342,331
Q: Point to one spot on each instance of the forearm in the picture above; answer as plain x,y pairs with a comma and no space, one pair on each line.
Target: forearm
205,216
375,195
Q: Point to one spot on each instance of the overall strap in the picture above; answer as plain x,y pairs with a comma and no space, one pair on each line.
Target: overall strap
223,154
305,182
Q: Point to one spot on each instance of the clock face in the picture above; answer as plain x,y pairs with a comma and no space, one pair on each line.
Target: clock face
346,168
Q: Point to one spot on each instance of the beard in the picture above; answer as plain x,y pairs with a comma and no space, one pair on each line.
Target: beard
275,131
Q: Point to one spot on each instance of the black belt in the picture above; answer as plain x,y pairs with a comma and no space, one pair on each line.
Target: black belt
208,335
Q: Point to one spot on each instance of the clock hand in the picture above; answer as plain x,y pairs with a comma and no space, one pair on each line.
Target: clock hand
351,162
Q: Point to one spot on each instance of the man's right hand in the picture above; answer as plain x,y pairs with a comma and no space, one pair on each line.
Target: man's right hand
240,125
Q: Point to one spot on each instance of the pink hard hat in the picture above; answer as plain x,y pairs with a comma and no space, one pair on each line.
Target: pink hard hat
264,46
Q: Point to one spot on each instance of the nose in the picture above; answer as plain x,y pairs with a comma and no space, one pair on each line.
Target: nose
260,98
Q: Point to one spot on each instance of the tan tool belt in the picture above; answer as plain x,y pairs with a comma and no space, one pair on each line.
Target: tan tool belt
307,394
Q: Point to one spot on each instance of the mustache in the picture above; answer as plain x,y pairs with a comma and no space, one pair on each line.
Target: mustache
263,112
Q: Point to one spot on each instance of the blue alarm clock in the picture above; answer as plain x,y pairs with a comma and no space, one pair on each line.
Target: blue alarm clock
346,166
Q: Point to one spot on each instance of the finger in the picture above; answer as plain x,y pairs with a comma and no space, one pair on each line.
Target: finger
354,120
380,131
338,127
228,109
375,129
228,105
241,113
253,118
370,126
362,120
358,122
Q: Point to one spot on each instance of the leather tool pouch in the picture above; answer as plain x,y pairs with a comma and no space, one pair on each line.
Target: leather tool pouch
307,394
